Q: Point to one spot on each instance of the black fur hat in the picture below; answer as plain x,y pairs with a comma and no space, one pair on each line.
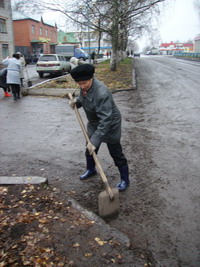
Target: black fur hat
82,72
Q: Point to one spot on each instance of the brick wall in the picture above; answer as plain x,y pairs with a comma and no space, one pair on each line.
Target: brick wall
24,36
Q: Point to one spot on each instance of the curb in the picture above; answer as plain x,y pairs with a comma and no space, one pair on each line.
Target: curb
60,92
12,180
102,224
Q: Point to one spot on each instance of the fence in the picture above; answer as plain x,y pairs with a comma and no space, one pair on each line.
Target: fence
188,55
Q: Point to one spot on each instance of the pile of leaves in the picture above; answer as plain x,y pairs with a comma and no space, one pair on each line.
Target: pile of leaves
38,229
114,80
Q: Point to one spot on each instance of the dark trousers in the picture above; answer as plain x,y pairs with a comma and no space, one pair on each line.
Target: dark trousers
15,89
116,153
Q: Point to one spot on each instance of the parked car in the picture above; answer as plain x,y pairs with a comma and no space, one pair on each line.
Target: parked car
136,54
52,63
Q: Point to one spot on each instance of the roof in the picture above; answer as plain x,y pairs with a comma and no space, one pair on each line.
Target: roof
188,45
16,15
166,45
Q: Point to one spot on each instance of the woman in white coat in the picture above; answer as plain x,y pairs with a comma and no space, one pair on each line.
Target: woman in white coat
13,74
23,64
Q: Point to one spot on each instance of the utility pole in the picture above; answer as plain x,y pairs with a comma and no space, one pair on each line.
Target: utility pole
88,22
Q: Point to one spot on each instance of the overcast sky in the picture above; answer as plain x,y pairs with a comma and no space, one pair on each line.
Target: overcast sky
180,22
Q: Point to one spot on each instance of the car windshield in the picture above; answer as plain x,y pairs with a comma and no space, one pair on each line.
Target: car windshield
48,58
79,50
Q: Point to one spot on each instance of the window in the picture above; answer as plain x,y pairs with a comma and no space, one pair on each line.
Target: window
3,26
41,31
5,51
46,33
33,29
48,58
2,3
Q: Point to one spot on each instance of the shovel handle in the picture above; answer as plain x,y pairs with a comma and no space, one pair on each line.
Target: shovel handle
98,165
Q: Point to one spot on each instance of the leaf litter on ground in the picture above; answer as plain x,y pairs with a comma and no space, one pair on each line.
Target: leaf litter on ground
39,227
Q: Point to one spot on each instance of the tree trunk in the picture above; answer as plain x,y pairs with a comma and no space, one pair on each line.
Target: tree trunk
113,61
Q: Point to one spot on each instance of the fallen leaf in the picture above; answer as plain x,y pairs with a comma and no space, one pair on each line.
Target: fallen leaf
76,245
88,254
99,241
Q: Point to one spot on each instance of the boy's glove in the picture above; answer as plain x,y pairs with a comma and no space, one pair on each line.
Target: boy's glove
91,148
72,103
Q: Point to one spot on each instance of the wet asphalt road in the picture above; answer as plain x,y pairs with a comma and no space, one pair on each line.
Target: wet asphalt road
160,212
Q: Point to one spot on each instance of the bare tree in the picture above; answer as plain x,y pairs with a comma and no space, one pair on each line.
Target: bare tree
117,18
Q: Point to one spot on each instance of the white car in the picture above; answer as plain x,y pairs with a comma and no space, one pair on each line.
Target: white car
52,63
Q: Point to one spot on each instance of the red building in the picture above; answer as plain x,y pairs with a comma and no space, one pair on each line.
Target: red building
170,48
32,36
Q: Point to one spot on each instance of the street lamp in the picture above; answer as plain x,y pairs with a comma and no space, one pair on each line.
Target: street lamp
88,22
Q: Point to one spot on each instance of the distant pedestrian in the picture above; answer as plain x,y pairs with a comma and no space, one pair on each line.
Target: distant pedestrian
23,64
13,74
93,54
3,84
107,54
110,53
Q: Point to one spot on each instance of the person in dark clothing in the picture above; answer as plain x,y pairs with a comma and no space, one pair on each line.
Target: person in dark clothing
3,84
104,121
93,54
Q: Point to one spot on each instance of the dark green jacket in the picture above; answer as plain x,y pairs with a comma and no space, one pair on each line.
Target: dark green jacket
104,118
3,74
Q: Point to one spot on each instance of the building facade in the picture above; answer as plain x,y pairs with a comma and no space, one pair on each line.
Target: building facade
171,48
197,44
85,40
33,36
6,30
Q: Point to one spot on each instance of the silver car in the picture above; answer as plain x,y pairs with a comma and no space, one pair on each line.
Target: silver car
52,63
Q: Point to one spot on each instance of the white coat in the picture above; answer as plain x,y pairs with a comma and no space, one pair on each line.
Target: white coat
13,70
23,64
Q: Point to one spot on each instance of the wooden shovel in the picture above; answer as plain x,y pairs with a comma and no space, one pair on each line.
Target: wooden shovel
109,199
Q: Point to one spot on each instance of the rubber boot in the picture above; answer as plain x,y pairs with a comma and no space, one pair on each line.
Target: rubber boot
91,170
18,93
14,96
124,183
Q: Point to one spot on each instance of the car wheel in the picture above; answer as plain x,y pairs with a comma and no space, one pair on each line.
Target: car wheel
69,70
61,72
41,74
